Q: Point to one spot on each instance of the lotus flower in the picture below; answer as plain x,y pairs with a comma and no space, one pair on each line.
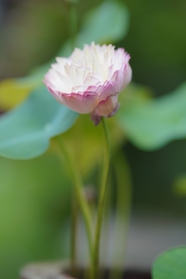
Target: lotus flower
90,80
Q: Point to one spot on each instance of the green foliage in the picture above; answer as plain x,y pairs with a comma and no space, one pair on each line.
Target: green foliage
107,23
179,186
157,43
20,88
150,124
26,130
170,265
34,200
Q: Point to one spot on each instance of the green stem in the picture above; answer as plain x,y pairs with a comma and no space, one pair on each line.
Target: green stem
101,204
75,210
123,212
78,185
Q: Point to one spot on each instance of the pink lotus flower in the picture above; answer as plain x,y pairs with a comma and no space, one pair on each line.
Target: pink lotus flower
90,80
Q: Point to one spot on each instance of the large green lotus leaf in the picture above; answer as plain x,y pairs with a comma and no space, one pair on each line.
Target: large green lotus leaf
26,130
107,23
170,265
150,124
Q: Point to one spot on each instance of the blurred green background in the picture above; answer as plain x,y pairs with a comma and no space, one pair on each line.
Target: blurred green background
35,194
